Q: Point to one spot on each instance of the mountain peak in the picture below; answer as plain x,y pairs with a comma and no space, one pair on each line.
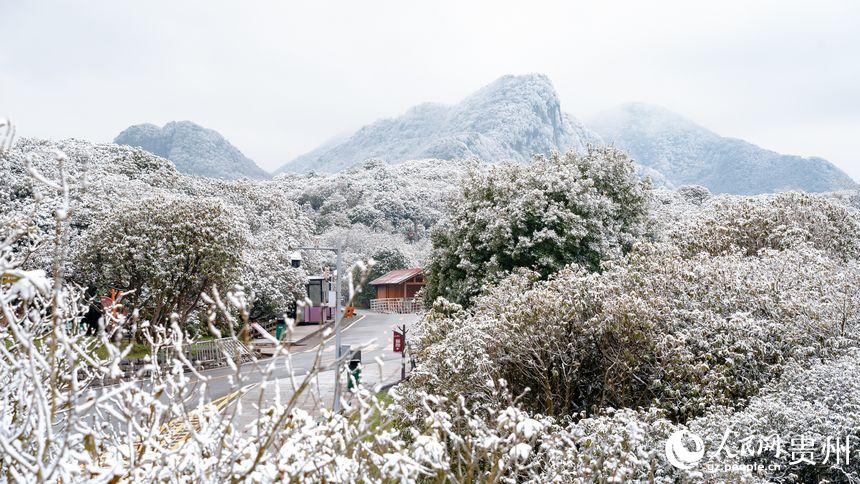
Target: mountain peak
512,118
194,150
520,82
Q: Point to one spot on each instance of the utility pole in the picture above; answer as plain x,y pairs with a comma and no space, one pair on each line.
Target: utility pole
337,319
403,356
337,316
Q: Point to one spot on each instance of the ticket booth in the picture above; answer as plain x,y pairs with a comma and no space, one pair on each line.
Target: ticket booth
321,297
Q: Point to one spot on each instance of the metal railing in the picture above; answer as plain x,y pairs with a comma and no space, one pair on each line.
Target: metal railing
396,305
215,351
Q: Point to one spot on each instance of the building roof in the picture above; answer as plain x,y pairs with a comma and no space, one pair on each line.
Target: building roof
397,276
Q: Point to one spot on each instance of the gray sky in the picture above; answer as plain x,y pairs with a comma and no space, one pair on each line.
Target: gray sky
278,78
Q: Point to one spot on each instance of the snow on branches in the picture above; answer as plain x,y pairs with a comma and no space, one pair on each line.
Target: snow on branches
592,333
571,208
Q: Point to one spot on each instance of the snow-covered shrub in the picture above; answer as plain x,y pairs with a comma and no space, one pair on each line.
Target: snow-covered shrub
779,221
818,403
657,328
620,445
163,252
695,194
571,208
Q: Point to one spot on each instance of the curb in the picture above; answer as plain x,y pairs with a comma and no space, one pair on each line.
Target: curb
321,329
389,386
313,335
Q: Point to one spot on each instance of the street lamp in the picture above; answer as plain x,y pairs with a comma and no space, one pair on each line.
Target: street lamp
295,261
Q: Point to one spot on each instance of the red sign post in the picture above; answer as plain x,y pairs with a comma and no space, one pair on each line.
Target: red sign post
398,342
400,347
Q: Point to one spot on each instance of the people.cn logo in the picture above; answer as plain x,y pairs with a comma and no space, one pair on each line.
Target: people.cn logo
677,452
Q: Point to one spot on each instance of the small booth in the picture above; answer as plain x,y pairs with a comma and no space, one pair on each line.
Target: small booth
321,294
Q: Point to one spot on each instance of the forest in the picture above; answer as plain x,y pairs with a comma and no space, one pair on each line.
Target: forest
577,318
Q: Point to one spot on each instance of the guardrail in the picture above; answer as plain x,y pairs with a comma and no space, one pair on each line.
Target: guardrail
201,354
396,305
215,351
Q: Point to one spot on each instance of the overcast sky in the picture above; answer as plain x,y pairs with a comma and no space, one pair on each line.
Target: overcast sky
279,78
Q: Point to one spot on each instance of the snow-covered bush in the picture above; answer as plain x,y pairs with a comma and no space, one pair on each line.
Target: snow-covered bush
572,208
779,221
818,403
657,328
620,445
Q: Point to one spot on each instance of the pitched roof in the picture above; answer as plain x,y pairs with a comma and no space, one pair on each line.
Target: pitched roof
397,276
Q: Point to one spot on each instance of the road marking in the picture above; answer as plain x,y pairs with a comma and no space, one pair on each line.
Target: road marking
314,349
176,432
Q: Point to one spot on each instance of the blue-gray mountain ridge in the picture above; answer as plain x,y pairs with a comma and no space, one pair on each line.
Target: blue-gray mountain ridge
194,150
516,117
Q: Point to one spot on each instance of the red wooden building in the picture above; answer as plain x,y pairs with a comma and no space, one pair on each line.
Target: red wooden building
395,291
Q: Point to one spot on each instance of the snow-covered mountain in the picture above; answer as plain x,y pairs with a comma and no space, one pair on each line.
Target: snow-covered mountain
686,153
513,118
194,150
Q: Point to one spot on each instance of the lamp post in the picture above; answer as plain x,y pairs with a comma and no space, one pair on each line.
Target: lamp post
295,261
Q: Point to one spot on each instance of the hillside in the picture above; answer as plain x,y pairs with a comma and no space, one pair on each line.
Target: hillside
194,150
686,153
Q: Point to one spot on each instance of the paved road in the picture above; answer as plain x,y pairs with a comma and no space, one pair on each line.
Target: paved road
370,331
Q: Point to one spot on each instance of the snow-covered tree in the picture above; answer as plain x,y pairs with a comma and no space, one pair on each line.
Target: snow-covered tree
571,208
406,198
163,252
274,226
272,223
